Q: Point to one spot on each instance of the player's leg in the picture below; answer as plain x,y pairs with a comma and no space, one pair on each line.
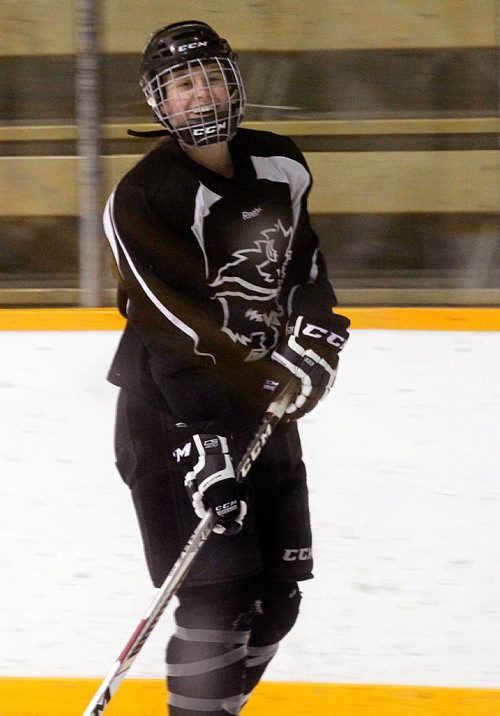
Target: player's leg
206,656
276,617
282,513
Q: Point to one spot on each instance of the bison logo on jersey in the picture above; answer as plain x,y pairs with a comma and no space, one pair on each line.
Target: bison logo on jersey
248,288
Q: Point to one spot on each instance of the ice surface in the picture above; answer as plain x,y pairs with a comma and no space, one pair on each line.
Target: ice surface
403,462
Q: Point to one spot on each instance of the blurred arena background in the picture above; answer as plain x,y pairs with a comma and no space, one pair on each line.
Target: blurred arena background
395,103
396,106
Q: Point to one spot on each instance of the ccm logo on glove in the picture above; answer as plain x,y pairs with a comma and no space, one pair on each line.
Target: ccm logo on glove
226,507
318,332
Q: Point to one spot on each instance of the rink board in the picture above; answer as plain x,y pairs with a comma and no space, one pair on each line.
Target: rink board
144,697
430,319
395,318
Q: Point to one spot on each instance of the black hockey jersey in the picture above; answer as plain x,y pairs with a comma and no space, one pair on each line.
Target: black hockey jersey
211,268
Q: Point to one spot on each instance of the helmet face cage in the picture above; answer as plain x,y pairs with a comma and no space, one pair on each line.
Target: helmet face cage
200,101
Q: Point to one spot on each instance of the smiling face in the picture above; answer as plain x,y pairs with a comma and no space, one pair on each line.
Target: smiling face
196,95
201,102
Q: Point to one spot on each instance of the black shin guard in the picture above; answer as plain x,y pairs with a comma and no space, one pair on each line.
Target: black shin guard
280,608
206,656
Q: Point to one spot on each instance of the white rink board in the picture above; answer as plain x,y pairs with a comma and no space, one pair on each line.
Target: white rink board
403,471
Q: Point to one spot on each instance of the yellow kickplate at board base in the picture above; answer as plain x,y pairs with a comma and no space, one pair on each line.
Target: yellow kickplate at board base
147,697
388,318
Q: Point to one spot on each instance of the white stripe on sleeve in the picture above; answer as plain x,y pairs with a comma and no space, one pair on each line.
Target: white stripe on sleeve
115,241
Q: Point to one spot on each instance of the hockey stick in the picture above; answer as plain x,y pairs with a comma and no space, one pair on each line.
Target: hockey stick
177,574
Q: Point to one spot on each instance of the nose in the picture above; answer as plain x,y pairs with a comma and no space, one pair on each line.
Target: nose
201,87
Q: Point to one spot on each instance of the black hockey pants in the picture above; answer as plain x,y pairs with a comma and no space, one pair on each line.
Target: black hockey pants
276,535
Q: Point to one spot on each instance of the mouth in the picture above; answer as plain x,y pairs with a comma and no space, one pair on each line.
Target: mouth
205,111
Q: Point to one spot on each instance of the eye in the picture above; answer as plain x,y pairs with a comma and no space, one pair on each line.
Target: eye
215,78
183,84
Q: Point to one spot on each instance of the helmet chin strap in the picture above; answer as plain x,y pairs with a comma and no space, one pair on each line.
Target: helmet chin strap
150,133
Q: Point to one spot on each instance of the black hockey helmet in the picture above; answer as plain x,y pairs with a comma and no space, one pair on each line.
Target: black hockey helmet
191,80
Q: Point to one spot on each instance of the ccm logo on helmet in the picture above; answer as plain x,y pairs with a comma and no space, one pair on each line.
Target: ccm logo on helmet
192,46
211,129
317,332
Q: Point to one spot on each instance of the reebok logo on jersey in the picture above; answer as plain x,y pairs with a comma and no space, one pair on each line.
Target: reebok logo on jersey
251,214
294,555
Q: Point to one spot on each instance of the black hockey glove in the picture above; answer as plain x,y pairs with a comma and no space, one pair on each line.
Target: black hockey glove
211,483
311,353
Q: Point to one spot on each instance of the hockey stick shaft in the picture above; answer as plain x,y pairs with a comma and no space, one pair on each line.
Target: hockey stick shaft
184,562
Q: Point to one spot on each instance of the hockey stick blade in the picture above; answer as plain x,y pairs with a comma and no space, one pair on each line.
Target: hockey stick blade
179,571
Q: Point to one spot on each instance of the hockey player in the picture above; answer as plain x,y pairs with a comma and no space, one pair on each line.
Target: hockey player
226,296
